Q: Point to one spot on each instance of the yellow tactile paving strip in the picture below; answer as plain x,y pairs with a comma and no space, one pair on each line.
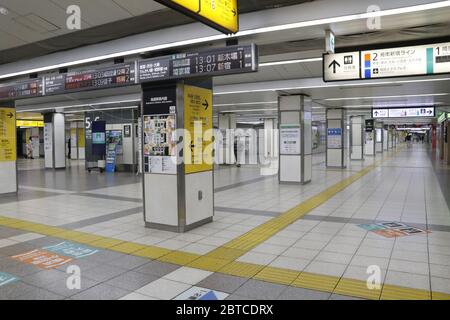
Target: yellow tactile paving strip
223,259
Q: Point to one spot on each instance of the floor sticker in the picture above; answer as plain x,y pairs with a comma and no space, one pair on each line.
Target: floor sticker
42,259
73,250
6,278
197,293
392,229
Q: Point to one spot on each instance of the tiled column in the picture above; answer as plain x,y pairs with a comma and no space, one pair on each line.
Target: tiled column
54,141
8,148
336,148
227,125
379,137
295,139
357,137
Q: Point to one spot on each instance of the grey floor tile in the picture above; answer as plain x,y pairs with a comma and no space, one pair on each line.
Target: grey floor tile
44,242
103,273
17,249
6,261
105,256
260,290
157,268
40,294
132,280
128,262
43,278
101,292
222,282
21,269
341,297
84,264
303,294
15,289
60,287
9,232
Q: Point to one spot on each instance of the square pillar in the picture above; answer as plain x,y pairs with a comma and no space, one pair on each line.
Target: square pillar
295,139
336,155
178,164
8,149
370,138
357,137
227,126
385,138
379,137
54,141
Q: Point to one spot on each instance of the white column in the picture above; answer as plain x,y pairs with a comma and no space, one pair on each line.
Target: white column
268,149
385,139
336,130
379,137
295,139
357,137
74,140
8,149
370,138
55,141
227,125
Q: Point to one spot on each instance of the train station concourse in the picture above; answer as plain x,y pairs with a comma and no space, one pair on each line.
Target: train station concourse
225,150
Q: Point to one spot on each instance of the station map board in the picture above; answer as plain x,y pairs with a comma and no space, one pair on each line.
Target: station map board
420,60
221,15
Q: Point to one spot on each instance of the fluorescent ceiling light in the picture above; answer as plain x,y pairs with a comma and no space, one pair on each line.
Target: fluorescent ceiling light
85,105
244,103
389,97
248,110
289,26
326,85
277,63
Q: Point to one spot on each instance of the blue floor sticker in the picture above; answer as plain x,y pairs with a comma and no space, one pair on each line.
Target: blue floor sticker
73,250
6,278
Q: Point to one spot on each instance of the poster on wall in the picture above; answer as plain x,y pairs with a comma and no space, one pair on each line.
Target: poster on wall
334,140
160,144
115,137
290,139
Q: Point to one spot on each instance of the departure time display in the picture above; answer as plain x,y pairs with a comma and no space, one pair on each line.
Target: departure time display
229,60
86,80
26,89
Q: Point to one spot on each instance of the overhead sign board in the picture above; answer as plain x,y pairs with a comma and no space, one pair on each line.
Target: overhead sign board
20,90
406,61
221,15
222,61
403,112
118,75
418,60
341,66
442,117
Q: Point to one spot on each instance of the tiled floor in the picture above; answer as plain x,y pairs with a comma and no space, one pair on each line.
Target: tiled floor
328,241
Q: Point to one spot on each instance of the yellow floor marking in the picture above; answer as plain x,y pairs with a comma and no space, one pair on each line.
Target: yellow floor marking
315,282
179,258
152,252
440,296
391,292
277,275
223,258
241,269
357,288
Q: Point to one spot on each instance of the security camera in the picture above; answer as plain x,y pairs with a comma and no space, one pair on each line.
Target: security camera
4,11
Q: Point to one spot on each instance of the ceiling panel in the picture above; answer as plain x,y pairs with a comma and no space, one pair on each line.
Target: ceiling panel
138,7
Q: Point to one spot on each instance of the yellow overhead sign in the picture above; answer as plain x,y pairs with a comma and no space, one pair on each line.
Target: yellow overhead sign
219,14
8,134
199,145
30,123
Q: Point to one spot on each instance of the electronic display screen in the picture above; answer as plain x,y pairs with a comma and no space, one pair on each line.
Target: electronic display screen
25,89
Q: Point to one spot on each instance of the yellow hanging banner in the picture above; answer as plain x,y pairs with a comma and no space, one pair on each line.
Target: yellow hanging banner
198,125
219,14
8,150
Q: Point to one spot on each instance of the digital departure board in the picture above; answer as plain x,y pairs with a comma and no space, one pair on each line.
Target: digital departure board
117,75
223,61
24,89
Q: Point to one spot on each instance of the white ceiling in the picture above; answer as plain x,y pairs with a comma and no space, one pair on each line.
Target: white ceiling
30,21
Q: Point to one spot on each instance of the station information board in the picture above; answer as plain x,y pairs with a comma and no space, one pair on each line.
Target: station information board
223,61
403,112
20,90
118,75
421,60
218,14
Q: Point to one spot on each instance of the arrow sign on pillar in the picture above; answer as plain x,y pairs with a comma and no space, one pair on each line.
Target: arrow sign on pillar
10,115
206,104
334,64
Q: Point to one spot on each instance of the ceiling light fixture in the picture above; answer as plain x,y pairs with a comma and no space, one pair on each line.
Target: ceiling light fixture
289,26
389,97
277,63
